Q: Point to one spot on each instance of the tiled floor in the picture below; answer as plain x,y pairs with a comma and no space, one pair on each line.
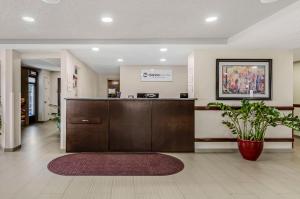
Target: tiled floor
24,175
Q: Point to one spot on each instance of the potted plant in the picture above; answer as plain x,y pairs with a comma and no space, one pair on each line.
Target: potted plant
249,124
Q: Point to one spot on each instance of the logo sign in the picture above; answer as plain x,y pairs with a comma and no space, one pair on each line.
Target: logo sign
156,75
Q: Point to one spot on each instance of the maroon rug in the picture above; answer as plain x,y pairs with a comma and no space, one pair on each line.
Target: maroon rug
116,164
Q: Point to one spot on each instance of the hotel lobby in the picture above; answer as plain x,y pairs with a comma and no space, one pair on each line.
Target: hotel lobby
160,99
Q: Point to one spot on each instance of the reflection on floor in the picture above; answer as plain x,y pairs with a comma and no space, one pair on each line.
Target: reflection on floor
24,175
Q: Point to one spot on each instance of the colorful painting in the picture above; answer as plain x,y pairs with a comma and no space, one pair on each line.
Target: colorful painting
240,79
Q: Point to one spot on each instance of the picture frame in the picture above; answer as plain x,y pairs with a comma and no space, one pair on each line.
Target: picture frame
238,79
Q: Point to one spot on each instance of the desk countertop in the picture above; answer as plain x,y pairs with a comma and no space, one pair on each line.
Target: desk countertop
131,99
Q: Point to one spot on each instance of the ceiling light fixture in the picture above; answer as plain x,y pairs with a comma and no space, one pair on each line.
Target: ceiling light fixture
163,60
51,1
211,19
163,50
96,49
268,1
28,19
107,19
120,60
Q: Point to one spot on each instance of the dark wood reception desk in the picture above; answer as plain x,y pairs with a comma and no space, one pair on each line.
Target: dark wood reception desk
130,125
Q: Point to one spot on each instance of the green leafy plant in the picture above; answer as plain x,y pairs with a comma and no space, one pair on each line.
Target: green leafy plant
57,120
250,122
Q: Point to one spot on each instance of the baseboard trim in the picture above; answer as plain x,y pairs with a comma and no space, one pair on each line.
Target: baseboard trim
278,150
234,139
236,150
12,149
216,150
281,108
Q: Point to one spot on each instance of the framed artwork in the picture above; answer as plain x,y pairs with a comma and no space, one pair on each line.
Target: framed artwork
238,79
75,81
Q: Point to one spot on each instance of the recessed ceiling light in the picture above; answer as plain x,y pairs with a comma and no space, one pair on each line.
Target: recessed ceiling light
107,19
163,50
163,60
51,1
120,60
96,49
28,19
211,19
268,1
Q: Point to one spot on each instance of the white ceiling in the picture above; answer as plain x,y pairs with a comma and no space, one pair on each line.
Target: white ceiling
142,27
281,30
75,20
51,64
105,61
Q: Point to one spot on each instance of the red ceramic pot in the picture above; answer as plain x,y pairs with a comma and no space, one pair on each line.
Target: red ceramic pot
250,150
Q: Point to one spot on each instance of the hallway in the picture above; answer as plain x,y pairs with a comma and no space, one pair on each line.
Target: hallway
24,175
41,138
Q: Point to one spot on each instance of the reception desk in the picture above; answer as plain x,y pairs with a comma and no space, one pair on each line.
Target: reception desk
130,125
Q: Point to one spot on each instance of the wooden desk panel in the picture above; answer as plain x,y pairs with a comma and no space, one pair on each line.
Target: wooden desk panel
125,125
87,126
173,126
130,126
86,138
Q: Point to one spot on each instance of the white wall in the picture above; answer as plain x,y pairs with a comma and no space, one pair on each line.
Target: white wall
11,99
87,81
208,123
16,98
191,75
103,83
297,83
87,78
44,95
1,114
297,90
47,94
131,84
64,61
88,85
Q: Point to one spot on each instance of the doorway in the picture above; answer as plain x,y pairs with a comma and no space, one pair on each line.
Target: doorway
29,96
58,95
32,99
113,87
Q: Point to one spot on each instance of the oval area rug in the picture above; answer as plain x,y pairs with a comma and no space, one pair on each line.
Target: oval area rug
116,164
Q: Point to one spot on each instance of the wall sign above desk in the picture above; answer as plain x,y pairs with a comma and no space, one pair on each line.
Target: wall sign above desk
156,75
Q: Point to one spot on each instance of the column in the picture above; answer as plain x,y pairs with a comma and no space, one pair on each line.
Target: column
11,100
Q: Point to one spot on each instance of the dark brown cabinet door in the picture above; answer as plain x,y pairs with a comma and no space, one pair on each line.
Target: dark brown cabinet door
86,138
87,126
130,125
173,126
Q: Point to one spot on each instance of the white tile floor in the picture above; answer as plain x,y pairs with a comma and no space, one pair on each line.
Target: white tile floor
24,175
